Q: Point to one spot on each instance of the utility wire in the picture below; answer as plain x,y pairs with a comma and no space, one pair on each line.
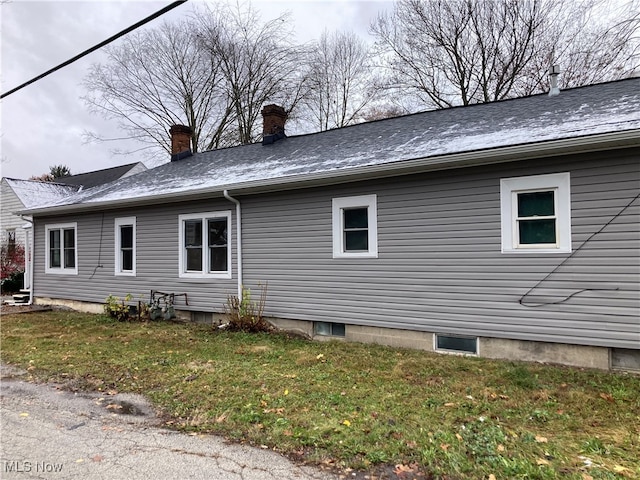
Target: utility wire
96,47
523,300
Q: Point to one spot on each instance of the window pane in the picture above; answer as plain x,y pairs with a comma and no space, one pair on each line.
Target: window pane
54,249
460,344
356,241
126,236
322,328
54,239
193,233
127,260
535,204
537,231
337,329
217,232
356,218
69,238
194,259
218,259
69,257
54,258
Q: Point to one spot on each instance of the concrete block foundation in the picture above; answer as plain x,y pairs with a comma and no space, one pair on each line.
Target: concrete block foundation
585,356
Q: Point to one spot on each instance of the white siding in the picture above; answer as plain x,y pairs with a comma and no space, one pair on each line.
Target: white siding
10,203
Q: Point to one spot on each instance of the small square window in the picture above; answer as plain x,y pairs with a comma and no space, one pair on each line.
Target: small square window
356,229
456,343
536,214
329,329
536,220
355,232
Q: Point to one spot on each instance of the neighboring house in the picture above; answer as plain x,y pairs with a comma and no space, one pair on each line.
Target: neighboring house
102,177
509,229
17,195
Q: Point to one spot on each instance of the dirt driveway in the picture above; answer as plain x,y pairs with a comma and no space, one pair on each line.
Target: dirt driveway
52,433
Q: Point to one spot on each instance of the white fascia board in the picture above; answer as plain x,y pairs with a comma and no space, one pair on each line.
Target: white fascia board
549,148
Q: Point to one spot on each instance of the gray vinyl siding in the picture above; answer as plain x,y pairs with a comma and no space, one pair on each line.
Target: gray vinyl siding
156,258
440,268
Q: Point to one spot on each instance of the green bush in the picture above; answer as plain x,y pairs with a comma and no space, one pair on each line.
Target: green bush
121,310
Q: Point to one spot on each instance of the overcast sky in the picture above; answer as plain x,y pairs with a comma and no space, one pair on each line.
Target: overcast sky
43,124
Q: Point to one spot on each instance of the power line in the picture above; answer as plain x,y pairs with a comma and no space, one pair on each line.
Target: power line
96,47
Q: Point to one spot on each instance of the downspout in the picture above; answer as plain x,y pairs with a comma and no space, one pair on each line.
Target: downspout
238,238
28,254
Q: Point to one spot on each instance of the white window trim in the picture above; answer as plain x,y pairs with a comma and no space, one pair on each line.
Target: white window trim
182,257
509,187
338,205
60,270
119,222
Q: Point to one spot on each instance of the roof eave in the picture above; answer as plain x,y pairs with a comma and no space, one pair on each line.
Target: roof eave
584,144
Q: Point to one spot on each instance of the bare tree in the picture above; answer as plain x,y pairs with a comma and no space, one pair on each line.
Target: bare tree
592,41
451,52
158,78
257,62
380,112
340,81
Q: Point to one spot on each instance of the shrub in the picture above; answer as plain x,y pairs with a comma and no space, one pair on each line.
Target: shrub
116,308
11,266
246,315
121,310
13,283
11,259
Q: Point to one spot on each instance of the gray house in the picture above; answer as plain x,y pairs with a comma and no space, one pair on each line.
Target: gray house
508,230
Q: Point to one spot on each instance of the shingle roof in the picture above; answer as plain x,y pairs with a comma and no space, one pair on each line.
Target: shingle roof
436,139
33,193
99,177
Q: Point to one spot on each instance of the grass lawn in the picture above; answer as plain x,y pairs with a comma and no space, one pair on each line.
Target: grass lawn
363,407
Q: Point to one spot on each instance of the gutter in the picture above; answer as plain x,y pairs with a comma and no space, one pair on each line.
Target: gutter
527,151
238,239
29,253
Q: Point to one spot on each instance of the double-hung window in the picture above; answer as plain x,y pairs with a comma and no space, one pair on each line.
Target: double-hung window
355,226
205,240
61,255
125,235
536,214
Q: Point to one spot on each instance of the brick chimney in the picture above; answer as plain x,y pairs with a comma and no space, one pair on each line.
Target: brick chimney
273,120
180,142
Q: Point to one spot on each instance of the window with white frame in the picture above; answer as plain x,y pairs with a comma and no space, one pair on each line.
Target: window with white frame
61,254
125,245
355,226
205,245
536,214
